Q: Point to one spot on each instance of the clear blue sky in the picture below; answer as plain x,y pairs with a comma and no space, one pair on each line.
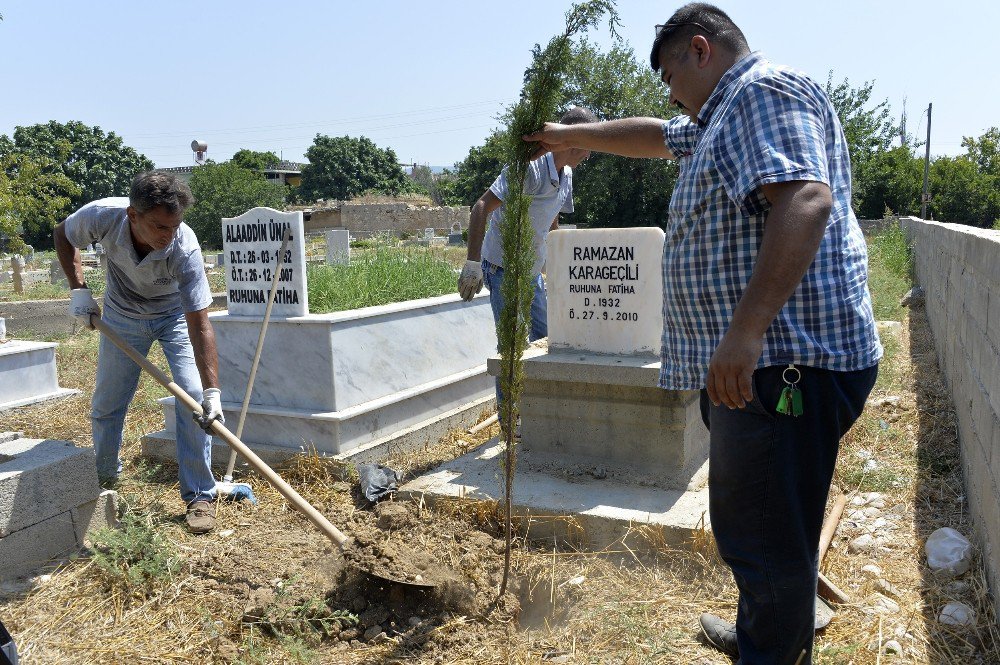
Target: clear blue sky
429,79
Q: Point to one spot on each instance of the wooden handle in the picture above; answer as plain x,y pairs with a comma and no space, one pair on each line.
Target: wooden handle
286,490
830,526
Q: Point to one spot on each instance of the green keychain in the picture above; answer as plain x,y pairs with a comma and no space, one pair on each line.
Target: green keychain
790,402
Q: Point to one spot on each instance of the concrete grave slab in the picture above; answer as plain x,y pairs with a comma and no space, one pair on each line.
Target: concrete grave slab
28,374
586,511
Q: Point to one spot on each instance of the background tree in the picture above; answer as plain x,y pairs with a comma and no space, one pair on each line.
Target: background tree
891,180
963,194
427,182
34,197
343,167
254,160
227,190
608,190
99,164
869,131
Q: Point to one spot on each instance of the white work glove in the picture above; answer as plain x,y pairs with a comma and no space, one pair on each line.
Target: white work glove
211,407
470,282
82,305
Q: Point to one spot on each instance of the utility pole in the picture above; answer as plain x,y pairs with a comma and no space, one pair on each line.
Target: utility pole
925,197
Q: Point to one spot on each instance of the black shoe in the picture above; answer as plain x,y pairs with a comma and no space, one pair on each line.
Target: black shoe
720,634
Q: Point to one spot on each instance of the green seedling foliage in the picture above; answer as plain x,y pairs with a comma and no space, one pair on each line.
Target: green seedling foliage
540,97
136,557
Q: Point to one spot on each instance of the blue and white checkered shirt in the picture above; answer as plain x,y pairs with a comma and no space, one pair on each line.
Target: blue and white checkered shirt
762,124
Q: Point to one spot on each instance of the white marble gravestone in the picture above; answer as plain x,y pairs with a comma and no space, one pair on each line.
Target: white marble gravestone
604,289
250,243
338,247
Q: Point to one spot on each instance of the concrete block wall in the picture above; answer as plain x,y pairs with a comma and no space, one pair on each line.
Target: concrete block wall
958,267
365,219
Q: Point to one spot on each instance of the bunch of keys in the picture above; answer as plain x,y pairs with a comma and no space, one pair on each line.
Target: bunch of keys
790,402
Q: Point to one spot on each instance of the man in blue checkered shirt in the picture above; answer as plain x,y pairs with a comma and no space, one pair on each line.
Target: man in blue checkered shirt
765,295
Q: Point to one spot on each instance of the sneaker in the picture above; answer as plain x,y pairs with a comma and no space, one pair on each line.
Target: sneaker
200,517
720,634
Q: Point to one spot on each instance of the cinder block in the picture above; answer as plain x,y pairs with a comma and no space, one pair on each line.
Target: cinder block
27,549
44,478
100,513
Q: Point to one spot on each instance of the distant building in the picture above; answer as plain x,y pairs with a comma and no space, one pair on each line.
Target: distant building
284,172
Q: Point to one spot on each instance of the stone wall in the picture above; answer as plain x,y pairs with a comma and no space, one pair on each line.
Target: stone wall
365,219
958,267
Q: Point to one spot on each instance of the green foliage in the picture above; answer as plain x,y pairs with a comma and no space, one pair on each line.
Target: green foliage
136,557
869,130
540,97
378,276
891,179
227,190
343,168
963,194
474,174
254,160
890,268
34,197
424,181
608,190
98,164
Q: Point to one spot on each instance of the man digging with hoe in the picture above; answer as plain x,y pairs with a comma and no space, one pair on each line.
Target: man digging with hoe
765,304
156,291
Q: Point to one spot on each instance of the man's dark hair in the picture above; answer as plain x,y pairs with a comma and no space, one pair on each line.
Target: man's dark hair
697,18
577,116
158,188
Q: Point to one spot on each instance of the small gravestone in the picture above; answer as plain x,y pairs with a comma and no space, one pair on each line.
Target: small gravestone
250,244
17,266
455,237
428,234
338,247
56,274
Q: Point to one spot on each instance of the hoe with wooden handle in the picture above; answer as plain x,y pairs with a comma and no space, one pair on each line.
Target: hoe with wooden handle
217,428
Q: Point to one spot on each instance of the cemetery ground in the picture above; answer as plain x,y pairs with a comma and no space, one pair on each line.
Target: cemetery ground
266,587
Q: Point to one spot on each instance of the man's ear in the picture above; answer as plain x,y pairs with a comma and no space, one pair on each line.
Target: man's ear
702,49
133,215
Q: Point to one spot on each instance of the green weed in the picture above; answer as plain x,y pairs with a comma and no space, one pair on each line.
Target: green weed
890,272
135,557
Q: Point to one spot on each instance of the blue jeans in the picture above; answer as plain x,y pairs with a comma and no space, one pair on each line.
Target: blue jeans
493,276
117,378
768,479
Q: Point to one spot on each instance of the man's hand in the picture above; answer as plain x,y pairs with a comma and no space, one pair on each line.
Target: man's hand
82,305
470,282
550,137
731,368
211,407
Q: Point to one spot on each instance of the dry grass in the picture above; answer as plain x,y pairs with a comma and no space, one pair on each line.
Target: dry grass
615,606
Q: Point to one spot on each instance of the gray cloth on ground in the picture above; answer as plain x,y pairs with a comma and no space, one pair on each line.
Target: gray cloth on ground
377,481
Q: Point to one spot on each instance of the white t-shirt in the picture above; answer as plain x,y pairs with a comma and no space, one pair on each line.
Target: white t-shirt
166,281
551,192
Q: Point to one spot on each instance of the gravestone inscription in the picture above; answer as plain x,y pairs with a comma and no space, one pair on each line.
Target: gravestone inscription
605,290
250,244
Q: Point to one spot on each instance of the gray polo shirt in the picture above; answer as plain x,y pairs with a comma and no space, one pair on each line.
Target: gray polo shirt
551,193
167,281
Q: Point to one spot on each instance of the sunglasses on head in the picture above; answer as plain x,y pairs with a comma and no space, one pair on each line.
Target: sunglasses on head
660,27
